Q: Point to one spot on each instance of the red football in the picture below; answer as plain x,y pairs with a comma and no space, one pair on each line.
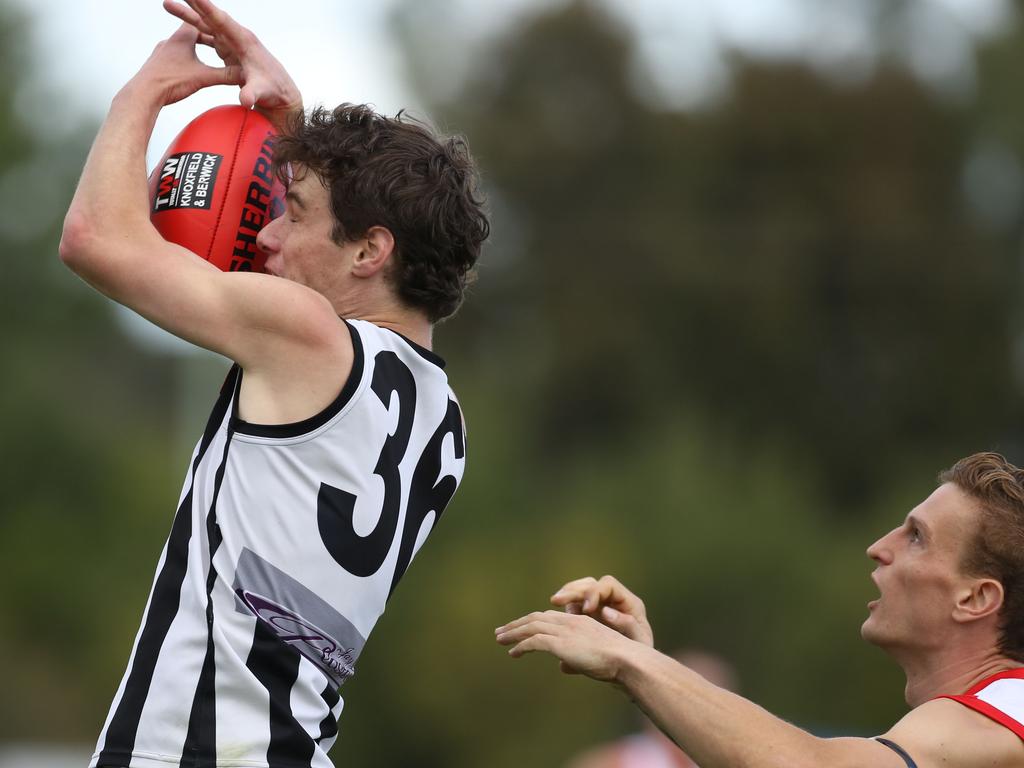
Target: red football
215,187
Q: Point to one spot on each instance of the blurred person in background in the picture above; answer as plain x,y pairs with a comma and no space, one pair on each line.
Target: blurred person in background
325,466
950,612
651,748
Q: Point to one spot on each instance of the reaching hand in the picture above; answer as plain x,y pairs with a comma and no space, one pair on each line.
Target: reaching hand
608,601
583,645
264,82
174,72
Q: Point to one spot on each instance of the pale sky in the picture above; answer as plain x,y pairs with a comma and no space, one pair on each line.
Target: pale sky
334,53
344,50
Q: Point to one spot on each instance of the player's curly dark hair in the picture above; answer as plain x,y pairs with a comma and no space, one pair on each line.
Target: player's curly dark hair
997,548
395,173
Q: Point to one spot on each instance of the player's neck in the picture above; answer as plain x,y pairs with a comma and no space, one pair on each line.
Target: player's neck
416,329
380,307
411,324
951,672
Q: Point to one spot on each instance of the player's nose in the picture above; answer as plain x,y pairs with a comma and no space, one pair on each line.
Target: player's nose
267,240
881,550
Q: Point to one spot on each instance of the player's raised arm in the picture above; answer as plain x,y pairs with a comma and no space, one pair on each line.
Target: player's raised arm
109,240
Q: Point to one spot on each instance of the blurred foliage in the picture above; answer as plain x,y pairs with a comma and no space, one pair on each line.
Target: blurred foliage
715,353
798,261
87,487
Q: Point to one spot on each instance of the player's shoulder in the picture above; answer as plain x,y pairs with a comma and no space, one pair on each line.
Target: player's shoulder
278,326
286,302
947,733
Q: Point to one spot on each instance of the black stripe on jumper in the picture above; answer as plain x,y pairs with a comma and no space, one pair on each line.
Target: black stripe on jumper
276,665
200,750
163,607
329,725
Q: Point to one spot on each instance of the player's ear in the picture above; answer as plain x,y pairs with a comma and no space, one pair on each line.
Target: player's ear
978,598
375,251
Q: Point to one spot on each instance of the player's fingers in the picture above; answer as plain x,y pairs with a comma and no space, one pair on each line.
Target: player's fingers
592,593
573,591
210,13
594,598
186,33
231,75
622,622
186,14
222,43
266,94
522,620
574,608
565,668
531,644
529,629
248,97
219,23
615,593
591,596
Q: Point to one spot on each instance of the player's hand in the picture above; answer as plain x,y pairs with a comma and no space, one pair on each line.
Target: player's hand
264,82
608,601
173,71
582,645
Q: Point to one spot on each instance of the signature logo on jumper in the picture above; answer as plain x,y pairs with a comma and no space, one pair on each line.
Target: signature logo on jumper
304,636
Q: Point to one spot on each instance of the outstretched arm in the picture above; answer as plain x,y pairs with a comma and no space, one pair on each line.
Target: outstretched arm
717,728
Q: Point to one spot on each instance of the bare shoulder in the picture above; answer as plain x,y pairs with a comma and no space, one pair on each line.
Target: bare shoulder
283,308
949,734
296,356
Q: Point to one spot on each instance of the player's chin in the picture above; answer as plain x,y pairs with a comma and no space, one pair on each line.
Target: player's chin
865,630
871,632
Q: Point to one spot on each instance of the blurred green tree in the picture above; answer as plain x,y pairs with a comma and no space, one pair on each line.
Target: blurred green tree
799,258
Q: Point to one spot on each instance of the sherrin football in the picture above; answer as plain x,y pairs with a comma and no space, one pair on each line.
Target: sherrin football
215,188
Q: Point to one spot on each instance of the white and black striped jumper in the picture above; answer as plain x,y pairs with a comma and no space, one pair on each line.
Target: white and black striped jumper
287,543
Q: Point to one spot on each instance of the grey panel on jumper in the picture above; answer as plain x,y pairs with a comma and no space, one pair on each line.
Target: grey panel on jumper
297,616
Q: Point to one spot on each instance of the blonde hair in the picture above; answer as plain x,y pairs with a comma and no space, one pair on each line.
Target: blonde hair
997,547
